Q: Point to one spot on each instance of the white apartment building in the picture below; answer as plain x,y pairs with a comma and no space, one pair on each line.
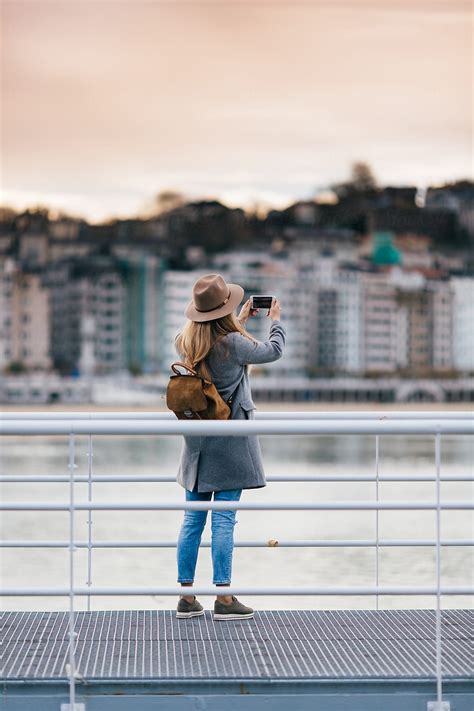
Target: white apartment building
441,307
24,314
104,303
336,312
383,337
407,321
463,323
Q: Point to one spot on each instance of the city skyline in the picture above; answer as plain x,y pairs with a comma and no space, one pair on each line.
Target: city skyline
111,102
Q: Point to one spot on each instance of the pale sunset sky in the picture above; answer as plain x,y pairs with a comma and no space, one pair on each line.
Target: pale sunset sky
104,103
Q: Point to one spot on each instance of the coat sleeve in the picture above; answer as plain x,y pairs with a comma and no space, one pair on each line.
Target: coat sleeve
247,351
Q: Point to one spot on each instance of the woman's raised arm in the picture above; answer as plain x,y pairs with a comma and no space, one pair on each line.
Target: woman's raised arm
247,351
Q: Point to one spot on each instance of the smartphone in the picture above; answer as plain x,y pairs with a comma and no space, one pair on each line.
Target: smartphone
261,302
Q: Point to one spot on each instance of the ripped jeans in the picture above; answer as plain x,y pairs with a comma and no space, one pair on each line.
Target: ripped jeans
222,543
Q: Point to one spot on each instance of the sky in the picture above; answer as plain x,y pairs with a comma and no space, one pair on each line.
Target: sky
105,103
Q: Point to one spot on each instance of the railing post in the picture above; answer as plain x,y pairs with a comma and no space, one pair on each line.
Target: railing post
439,704
90,456
377,518
439,670
71,667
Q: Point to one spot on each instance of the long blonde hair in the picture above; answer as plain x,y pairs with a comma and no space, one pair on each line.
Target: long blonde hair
195,340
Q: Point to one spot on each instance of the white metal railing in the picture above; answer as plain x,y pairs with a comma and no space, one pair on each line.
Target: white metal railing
270,415
266,423
258,426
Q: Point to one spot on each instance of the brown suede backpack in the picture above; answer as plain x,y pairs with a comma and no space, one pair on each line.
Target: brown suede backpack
192,397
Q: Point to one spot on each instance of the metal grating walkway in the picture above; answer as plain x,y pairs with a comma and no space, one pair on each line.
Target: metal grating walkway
280,644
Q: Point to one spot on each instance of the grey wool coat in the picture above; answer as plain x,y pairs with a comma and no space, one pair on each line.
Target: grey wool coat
219,463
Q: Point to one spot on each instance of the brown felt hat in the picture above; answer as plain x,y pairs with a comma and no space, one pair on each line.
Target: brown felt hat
213,297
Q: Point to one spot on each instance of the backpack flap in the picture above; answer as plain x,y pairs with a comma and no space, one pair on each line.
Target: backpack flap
185,394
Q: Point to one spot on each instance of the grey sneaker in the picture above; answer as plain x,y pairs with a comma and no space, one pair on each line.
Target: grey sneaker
189,609
233,611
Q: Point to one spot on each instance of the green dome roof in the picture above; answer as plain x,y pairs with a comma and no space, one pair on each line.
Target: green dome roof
384,251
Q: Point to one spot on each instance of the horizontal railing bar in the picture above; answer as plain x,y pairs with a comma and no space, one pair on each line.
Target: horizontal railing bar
237,505
236,428
236,590
259,414
272,543
124,478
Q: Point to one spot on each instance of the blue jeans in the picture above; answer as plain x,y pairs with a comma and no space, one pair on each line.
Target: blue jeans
222,543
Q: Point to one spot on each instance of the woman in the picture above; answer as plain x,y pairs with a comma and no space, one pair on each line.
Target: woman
215,343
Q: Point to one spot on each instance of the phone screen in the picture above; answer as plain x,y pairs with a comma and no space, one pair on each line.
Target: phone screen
261,302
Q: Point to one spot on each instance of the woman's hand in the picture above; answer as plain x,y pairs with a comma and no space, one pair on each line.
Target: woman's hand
275,310
247,311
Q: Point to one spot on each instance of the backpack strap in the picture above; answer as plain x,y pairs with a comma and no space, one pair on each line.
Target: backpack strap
182,365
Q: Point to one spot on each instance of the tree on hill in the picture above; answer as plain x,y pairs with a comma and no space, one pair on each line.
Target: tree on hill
361,181
167,200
